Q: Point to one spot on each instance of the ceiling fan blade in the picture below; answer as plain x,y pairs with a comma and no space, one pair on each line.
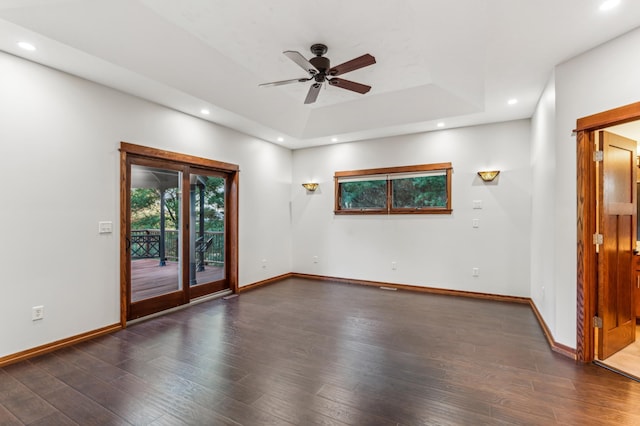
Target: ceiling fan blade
301,61
312,95
282,82
349,85
354,64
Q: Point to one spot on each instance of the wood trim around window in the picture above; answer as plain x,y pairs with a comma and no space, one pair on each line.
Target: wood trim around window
390,171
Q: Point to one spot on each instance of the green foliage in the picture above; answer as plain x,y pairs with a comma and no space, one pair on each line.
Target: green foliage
417,192
145,206
363,194
213,203
426,191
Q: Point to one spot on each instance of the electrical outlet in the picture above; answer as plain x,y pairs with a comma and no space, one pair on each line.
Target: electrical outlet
37,313
394,265
475,272
264,263
475,223
315,259
477,204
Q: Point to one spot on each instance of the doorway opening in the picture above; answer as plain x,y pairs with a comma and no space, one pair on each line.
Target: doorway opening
590,295
179,229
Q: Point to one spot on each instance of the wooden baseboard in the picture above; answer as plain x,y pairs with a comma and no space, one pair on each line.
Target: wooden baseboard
268,281
59,344
555,346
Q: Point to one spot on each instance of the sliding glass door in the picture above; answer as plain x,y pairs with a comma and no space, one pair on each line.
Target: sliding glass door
179,229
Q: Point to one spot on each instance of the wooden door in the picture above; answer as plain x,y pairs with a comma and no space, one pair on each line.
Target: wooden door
636,275
617,221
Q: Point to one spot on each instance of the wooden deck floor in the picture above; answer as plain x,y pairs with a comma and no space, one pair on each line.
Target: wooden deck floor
149,279
303,352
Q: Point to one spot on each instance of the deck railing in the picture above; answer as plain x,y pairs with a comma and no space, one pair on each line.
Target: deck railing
145,244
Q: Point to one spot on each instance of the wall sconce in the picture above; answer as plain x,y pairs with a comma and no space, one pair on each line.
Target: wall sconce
488,176
310,186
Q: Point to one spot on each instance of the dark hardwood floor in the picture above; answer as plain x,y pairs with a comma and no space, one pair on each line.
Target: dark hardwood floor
316,353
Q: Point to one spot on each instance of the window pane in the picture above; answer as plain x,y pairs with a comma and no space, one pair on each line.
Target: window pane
363,195
420,192
207,236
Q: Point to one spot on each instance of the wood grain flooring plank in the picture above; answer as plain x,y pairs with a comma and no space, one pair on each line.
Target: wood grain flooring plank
294,411
95,366
209,378
21,402
173,403
55,419
7,418
82,409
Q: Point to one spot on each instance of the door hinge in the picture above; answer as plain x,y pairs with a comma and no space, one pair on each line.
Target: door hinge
597,322
598,239
598,156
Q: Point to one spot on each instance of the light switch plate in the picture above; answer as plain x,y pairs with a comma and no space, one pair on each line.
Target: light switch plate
477,204
105,227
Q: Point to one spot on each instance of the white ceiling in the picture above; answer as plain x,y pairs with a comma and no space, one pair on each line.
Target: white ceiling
451,61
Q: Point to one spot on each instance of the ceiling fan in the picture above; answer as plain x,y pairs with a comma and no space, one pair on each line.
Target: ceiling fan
320,70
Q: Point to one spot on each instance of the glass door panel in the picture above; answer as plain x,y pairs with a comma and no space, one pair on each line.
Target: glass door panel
155,233
207,233
175,226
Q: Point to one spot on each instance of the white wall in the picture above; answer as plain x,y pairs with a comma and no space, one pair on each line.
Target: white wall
601,79
543,170
430,250
59,164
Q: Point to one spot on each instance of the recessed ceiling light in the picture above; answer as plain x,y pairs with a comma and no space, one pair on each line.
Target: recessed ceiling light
280,139
440,124
512,101
26,46
204,111
609,4
334,139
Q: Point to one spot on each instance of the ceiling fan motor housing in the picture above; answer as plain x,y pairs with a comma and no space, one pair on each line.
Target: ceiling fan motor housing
321,63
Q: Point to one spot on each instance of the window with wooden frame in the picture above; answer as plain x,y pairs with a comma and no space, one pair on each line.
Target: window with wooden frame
420,189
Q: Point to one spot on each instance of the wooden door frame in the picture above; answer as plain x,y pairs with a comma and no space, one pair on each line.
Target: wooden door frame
587,279
231,209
